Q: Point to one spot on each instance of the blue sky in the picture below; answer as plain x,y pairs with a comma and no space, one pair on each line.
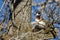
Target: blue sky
38,1
1,12
4,10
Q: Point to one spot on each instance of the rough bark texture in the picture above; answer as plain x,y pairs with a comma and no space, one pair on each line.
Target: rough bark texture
22,21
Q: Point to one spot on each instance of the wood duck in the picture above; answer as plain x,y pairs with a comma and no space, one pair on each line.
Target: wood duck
42,24
39,19
39,22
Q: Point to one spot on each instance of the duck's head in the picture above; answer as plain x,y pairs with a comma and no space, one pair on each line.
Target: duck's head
38,14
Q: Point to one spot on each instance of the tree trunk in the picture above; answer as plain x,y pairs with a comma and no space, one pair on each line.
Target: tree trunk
21,19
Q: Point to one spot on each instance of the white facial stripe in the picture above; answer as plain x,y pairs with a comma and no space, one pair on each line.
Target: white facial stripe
37,14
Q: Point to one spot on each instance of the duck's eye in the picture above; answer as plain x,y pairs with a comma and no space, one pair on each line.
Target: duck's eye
38,13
